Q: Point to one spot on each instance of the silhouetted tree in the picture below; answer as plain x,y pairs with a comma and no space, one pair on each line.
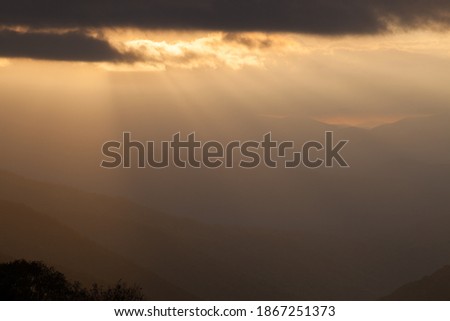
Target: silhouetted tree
120,292
34,281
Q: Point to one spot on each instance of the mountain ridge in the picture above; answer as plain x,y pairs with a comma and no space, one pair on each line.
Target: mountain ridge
28,234
434,287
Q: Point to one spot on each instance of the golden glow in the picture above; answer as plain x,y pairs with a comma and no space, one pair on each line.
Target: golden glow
369,121
161,51
366,81
4,62
213,50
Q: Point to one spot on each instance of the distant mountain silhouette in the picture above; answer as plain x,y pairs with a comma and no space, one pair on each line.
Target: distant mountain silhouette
357,244
93,237
422,138
435,287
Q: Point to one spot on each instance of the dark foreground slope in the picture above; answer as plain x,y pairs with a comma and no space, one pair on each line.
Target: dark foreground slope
435,287
28,234
360,251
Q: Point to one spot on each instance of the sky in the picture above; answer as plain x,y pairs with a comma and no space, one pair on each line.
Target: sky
79,30
360,80
76,74
183,64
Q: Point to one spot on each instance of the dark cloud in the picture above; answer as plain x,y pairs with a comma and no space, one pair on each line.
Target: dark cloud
69,46
330,17
323,17
248,41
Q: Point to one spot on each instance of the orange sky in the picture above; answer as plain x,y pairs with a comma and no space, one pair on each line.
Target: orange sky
359,81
